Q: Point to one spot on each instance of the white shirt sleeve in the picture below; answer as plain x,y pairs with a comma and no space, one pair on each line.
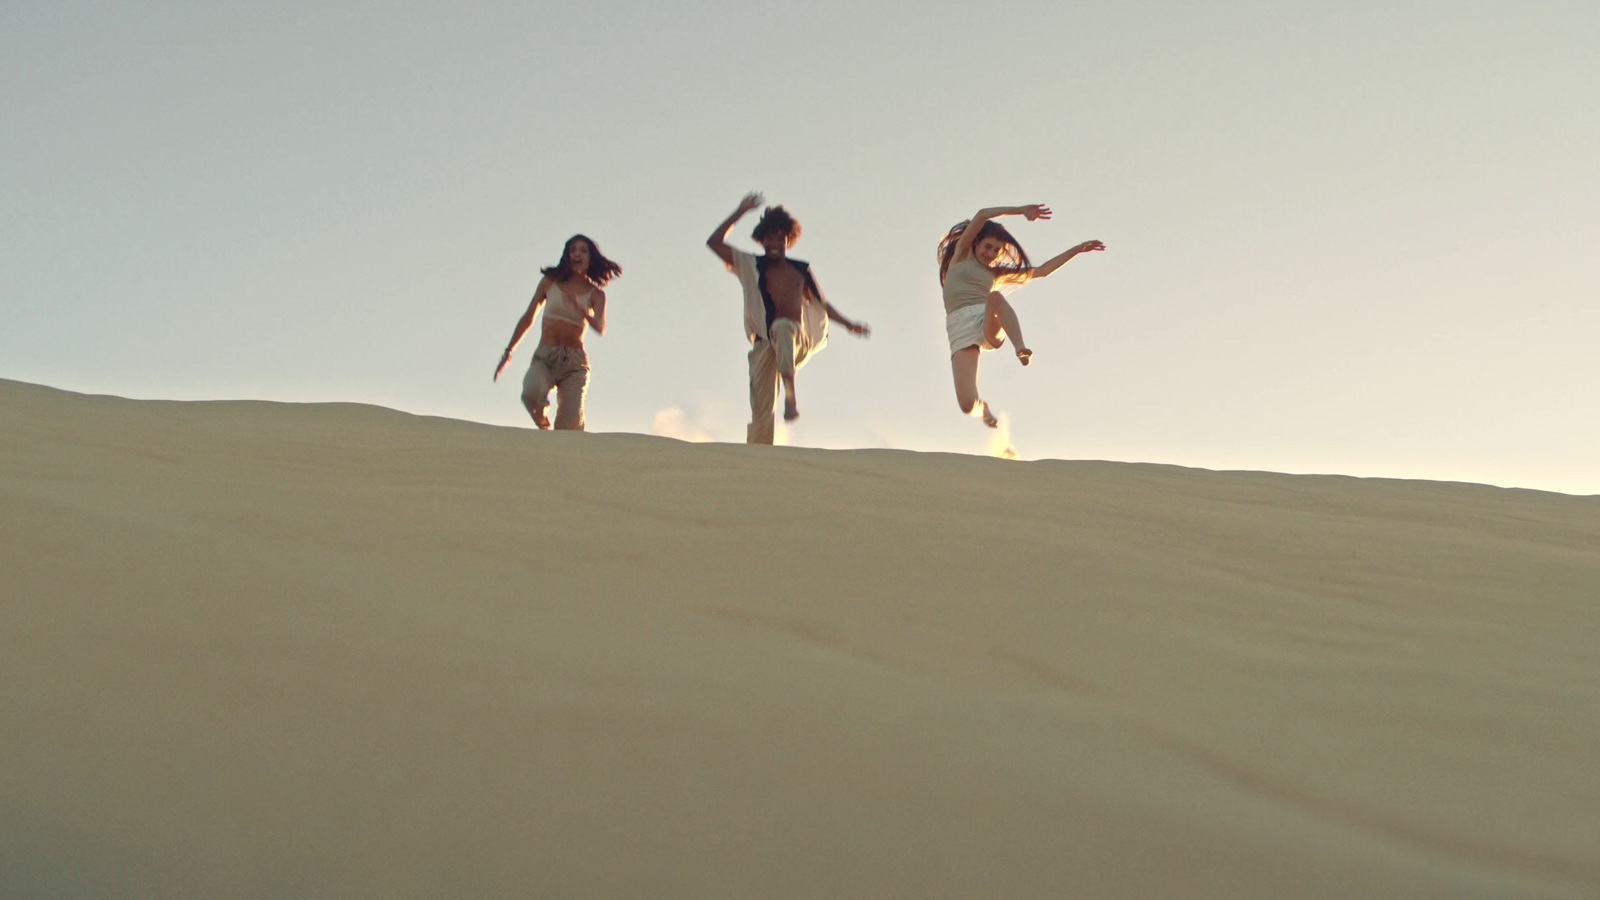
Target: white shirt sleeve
755,312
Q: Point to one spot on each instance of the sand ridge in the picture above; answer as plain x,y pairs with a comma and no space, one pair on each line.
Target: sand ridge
259,650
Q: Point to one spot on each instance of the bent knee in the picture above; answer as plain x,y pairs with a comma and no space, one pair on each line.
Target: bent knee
967,403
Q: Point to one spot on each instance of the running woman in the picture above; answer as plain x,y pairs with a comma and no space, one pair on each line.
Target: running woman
573,288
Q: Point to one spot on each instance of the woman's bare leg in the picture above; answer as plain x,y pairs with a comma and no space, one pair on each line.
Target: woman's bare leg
1001,320
964,366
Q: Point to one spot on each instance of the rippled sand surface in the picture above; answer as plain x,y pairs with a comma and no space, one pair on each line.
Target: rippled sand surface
334,651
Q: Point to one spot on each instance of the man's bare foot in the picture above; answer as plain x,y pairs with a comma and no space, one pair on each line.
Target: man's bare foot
988,417
541,420
791,411
1024,355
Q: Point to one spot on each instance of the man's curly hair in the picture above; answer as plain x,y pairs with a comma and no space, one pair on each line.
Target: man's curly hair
776,220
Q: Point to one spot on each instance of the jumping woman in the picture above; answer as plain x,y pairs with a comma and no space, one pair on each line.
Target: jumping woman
573,287
973,257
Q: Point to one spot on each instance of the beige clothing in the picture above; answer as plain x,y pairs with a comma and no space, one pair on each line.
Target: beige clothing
791,343
570,310
967,283
755,312
786,351
566,369
964,327
786,337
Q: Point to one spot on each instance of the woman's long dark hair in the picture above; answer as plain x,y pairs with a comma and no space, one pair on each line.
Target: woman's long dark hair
601,270
1012,263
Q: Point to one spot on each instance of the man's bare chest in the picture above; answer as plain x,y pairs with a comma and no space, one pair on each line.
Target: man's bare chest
784,281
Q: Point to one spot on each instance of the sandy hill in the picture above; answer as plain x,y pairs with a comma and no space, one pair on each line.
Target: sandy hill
335,651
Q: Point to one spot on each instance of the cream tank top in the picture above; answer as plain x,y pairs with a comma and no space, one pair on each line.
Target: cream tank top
967,283
557,307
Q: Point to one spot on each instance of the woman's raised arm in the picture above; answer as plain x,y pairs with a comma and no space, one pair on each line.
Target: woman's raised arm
964,243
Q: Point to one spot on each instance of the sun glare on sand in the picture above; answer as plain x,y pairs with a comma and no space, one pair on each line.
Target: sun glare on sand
673,422
701,427
1000,439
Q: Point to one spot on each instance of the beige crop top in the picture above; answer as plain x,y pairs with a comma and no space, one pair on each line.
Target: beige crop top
967,283
559,308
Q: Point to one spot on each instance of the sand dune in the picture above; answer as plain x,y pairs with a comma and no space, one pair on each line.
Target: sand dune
334,651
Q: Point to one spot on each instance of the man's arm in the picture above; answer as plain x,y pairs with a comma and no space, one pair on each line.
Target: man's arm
857,328
718,240
1057,262
815,292
964,243
523,324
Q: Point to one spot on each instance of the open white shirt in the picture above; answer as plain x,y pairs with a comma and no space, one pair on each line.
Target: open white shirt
815,326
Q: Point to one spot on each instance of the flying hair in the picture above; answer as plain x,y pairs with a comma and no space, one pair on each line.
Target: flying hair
601,270
1010,266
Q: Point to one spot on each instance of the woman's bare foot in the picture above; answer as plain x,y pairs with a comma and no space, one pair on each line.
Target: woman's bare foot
791,411
1024,355
988,417
541,420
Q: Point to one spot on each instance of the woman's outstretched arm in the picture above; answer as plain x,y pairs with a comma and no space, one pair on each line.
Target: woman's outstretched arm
523,324
1060,260
964,243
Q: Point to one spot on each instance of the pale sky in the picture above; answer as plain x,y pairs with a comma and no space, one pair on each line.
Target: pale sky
1348,237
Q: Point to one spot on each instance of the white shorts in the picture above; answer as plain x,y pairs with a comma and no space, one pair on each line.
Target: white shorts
965,328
